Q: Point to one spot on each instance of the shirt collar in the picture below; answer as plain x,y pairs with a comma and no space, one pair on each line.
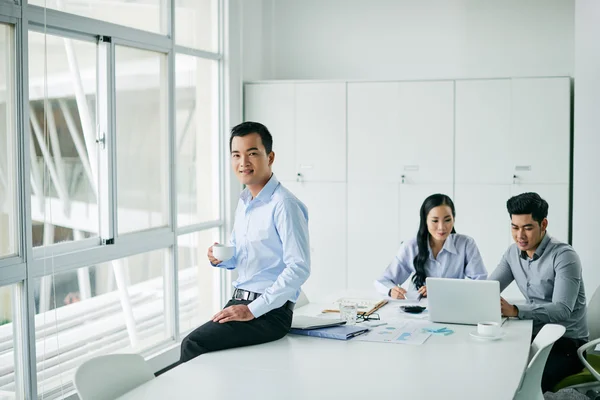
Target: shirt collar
540,249
265,194
449,245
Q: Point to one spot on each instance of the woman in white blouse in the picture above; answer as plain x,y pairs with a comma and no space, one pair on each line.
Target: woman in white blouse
437,251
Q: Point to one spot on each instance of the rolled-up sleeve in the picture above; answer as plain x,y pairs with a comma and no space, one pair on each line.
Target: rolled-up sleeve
566,289
397,271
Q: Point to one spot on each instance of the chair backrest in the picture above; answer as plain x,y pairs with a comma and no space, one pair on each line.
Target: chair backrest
531,383
593,315
302,300
108,377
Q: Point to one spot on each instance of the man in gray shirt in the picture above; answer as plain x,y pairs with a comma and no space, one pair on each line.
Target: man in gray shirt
548,273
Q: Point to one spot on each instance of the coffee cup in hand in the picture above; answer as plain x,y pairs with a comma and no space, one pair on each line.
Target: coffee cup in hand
489,329
223,252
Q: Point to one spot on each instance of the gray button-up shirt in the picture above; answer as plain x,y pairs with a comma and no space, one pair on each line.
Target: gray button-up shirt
551,283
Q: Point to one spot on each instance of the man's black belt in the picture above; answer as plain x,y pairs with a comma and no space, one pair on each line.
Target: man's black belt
241,294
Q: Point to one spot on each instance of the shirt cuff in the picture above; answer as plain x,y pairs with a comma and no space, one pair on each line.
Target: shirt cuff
525,311
258,307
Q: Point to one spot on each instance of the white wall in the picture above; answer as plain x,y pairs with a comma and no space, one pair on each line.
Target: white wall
407,39
586,192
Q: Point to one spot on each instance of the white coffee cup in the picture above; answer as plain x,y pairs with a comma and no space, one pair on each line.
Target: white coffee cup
488,328
223,252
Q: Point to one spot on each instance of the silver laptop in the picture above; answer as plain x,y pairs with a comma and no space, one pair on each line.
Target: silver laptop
463,301
307,322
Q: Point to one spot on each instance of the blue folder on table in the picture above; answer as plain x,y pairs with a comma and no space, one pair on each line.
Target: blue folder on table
343,332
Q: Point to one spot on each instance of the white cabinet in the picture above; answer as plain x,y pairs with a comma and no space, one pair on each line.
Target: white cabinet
481,213
373,234
540,126
326,204
513,131
273,106
483,132
369,153
321,131
401,131
308,124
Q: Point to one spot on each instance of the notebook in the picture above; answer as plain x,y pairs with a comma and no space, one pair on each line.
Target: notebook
342,332
307,322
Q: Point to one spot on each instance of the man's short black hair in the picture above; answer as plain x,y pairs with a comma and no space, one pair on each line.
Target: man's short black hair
528,203
249,127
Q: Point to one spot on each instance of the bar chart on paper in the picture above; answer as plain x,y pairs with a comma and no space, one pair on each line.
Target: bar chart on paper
405,332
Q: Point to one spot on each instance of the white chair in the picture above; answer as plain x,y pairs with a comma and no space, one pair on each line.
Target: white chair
589,377
531,383
108,377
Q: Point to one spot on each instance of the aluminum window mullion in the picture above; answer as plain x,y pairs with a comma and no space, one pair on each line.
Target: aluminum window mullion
198,53
10,10
173,271
105,139
140,45
183,230
12,274
86,37
25,341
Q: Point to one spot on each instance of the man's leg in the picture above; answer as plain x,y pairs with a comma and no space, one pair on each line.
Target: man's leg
213,336
562,362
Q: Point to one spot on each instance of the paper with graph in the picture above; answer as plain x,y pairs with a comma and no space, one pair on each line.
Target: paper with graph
404,332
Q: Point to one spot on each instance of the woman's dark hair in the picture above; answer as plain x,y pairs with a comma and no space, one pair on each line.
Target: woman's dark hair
433,201
528,203
249,127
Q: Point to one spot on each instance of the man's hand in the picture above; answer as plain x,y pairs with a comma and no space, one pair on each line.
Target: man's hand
211,258
507,309
423,291
239,312
398,293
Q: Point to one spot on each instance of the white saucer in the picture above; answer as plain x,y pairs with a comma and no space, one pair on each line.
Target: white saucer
481,337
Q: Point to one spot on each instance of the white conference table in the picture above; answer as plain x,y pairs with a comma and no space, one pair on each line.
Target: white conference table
300,367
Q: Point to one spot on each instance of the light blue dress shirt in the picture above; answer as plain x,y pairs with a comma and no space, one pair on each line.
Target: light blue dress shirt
459,258
272,252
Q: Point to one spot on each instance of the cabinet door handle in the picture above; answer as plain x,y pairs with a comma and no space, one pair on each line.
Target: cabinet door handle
515,179
403,178
298,177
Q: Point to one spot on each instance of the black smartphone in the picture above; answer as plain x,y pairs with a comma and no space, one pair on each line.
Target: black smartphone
412,309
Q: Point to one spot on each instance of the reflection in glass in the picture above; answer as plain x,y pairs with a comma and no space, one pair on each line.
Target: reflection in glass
198,280
142,157
9,387
197,140
62,96
140,14
114,307
196,23
8,136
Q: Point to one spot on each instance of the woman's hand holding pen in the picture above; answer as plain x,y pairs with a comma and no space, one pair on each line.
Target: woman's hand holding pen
422,291
398,292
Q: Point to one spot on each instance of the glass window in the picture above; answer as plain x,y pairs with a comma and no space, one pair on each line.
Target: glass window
9,388
8,135
196,23
147,15
62,96
142,157
114,307
198,280
197,140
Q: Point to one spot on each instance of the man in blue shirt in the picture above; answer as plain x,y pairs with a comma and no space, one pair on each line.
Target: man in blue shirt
272,256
